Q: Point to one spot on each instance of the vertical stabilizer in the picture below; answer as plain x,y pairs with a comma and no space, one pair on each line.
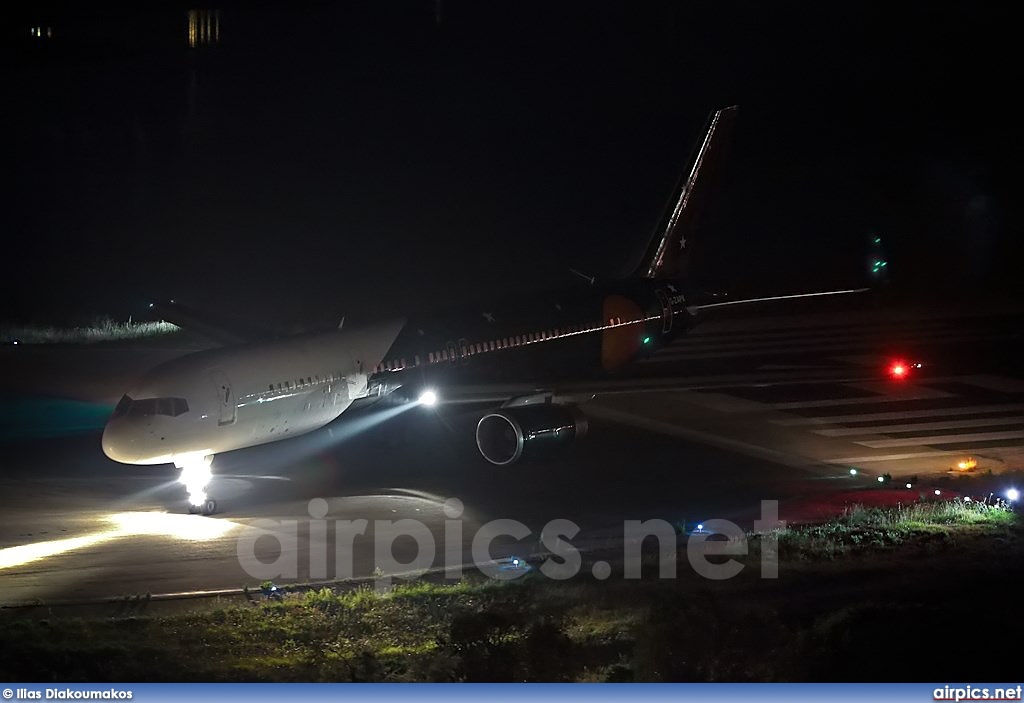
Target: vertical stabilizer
669,248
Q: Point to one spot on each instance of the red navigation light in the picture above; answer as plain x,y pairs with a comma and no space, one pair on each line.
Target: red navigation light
899,370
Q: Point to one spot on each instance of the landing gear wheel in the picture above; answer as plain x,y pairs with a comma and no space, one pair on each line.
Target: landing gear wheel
209,507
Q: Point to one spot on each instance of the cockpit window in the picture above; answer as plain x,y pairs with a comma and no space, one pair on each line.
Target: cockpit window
172,407
122,406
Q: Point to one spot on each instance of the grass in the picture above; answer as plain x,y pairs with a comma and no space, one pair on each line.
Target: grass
823,621
101,329
860,527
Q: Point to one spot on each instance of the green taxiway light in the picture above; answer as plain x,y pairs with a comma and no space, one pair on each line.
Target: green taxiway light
647,340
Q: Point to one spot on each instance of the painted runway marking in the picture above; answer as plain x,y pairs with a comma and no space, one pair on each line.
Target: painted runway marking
900,415
913,427
907,393
888,457
943,439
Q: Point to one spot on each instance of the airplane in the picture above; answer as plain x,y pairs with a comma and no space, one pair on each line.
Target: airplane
251,391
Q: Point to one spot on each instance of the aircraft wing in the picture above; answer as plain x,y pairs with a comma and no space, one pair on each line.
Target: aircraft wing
217,329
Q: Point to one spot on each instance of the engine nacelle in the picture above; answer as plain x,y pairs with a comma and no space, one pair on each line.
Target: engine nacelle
509,435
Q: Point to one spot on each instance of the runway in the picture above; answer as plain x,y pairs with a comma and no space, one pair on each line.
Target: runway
775,408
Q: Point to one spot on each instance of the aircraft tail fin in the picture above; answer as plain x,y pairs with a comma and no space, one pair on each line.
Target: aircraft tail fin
668,253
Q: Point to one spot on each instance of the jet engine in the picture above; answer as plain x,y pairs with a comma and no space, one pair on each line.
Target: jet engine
509,435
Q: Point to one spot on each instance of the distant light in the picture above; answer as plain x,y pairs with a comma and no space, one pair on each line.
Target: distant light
967,463
15,342
428,398
881,479
515,562
700,527
853,472
1012,494
898,369
938,492
647,340
910,485
878,240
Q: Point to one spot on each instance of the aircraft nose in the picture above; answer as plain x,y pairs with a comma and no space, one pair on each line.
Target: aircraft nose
117,441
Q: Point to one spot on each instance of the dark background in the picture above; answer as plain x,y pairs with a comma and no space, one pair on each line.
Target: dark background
359,158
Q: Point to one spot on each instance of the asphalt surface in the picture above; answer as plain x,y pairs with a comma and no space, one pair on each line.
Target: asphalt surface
743,410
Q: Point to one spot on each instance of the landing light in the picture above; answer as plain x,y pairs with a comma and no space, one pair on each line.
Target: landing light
428,398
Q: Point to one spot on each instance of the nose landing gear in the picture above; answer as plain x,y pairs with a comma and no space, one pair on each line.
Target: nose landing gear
209,507
195,476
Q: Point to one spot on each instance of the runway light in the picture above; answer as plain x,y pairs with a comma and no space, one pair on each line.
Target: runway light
853,472
938,492
428,398
1012,494
910,485
881,479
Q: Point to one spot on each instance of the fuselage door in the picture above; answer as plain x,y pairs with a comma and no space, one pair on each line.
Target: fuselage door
225,397
666,310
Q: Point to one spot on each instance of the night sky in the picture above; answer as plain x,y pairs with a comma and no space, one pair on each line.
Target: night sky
359,158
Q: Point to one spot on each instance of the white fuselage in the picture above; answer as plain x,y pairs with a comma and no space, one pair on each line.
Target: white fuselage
223,399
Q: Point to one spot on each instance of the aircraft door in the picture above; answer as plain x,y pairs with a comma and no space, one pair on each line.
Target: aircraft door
225,397
666,310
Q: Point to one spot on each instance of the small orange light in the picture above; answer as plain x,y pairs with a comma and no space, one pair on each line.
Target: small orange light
967,463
